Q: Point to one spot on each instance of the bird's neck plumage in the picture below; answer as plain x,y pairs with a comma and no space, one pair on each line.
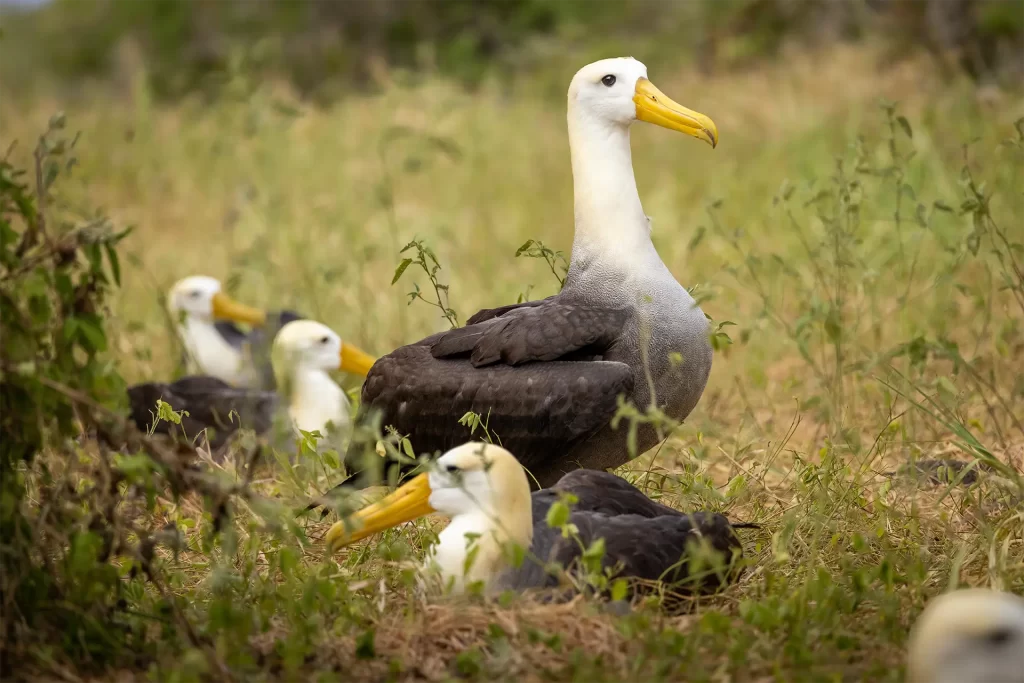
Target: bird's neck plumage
207,352
611,227
472,547
314,400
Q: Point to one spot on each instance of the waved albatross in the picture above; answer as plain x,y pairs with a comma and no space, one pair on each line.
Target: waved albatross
307,398
547,374
973,635
486,493
205,318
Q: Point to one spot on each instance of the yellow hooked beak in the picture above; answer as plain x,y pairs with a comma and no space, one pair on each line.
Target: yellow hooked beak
226,308
654,106
355,361
408,502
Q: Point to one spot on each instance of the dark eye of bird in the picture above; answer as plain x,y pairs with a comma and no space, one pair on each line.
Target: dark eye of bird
999,637
452,469
324,339
608,80
196,294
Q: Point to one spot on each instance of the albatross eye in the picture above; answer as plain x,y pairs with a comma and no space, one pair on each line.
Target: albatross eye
452,469
608,80
325,339
999,637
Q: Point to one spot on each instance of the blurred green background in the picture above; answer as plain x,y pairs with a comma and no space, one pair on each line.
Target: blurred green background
326,48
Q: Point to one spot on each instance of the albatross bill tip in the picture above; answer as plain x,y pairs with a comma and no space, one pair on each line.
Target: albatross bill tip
654,106
408,502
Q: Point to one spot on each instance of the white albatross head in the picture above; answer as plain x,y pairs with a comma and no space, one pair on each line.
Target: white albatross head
200,297
969,636
485,492
303,354
306,345
616,91
605,98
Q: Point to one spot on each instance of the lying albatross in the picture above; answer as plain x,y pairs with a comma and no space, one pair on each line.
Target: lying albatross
485,491
205,318
307,399
547,374
969,636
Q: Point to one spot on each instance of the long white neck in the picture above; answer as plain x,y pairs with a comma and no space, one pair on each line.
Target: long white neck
487,536
207,352
314,400
610,222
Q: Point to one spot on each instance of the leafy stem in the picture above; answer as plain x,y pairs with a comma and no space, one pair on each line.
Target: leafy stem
428,263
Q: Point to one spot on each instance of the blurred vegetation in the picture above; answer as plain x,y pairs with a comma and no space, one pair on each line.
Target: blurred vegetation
870,257
324,48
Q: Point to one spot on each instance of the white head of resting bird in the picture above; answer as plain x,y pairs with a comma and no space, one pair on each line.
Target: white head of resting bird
304,353
485,492
548,373
307,398
969,636
196,303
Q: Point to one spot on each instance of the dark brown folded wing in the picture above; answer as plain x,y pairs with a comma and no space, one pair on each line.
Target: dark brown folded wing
545,332
537,411
636,546
211,405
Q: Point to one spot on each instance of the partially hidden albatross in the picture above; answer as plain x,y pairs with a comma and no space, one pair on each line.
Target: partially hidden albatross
213,345
484,490
974,635
546,375
307,399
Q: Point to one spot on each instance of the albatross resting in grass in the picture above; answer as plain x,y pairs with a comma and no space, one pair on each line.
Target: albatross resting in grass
969,636
547,374
214,346
304,352
485,492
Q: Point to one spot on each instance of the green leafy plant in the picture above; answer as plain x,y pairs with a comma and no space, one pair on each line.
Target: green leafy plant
556,260
427,261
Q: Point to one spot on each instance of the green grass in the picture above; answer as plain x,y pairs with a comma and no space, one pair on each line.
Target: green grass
861,342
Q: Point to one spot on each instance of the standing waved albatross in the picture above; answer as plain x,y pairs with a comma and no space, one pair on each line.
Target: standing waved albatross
485,492
547,374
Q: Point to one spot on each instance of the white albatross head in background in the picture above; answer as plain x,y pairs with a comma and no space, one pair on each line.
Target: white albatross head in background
969,636
195,304
304,352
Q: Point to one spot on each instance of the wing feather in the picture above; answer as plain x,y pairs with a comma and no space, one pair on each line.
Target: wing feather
549,330
636,546
537,411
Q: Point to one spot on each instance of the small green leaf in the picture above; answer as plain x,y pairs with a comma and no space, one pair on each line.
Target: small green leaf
526,246
558,515
401,269
331,459
115,264
620,588
165,412
905,125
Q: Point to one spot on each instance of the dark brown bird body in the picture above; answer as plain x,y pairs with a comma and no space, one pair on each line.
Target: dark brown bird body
213,407
643,539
